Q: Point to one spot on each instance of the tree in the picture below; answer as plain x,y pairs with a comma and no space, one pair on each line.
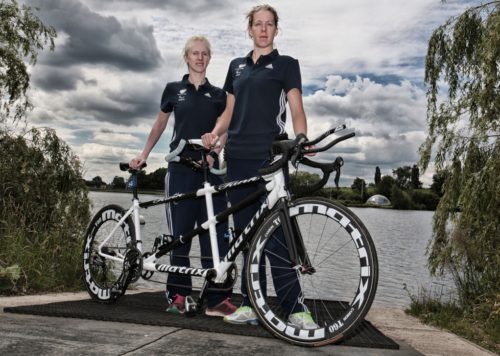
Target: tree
22,34
301,181
44,205
403,177
400,199
463,129
97,181
385,186
378,175
359,186
438,181
158,178
118,183
415,177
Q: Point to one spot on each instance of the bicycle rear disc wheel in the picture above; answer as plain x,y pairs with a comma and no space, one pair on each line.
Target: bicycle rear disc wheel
103,276
336,282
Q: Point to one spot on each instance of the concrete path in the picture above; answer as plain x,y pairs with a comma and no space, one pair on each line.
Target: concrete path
36,335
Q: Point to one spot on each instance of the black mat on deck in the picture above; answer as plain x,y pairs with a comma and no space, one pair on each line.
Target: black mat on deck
148,308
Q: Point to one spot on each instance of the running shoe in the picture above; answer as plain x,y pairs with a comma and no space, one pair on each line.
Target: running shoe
177,305
303,320
242,315
222,309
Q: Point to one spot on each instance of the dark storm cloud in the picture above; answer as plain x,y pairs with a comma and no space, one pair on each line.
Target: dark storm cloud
196,6
111,111
53,79
121,107
96,39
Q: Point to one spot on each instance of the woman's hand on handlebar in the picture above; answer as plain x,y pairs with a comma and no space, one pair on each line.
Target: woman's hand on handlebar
301,139
312,147
137,162
209,139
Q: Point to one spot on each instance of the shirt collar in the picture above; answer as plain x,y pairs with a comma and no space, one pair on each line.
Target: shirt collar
267,58
185,81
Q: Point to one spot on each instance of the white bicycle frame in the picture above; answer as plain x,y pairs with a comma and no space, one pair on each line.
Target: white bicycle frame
275,186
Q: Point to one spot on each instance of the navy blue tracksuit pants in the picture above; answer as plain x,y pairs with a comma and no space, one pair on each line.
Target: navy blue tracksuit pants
181,218
286,284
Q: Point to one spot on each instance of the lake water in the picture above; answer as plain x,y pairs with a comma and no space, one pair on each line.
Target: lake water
400,237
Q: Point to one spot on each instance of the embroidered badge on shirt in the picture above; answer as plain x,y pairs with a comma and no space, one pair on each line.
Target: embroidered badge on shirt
269,66
239,70
181,95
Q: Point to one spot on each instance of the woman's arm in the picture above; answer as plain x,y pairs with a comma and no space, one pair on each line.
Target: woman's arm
297,109
220,129
298,115
154,135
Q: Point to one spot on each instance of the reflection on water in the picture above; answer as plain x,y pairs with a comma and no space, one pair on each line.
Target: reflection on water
400,237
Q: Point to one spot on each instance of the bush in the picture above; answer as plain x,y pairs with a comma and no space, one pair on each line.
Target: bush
301,182
349,196
400,199
424,199
385,186
44,209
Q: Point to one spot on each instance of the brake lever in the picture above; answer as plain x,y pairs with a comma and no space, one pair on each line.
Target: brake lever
295,159
339,162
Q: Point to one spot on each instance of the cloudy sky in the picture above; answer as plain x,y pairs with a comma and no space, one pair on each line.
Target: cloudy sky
361,62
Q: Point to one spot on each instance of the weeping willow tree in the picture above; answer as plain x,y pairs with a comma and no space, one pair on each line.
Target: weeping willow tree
22,35
462,73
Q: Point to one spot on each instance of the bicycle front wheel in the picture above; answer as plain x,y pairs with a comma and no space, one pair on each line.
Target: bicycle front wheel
106,244
333,280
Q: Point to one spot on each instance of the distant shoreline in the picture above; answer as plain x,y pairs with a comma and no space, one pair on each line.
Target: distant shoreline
161,192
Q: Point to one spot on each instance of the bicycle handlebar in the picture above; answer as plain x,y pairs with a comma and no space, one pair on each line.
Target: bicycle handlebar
174,155
294,151
196,144
124,166
326,134
333,143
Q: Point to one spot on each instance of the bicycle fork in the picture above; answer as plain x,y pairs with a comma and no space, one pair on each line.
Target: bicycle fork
293,238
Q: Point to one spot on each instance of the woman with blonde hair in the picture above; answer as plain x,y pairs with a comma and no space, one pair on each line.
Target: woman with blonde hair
196,104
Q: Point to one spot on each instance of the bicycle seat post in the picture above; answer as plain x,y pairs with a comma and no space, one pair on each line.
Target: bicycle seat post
132,181
134,186
204,165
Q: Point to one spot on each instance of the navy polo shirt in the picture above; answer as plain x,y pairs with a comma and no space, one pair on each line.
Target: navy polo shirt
196,111
260,102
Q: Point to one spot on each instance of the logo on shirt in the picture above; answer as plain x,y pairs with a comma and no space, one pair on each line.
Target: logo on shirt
181,95
208,95
239,70
269,66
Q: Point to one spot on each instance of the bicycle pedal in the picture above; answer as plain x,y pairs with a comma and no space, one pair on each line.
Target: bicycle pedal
189,306
116,292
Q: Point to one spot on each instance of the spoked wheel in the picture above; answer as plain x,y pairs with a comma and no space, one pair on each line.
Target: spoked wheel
334,280
104,274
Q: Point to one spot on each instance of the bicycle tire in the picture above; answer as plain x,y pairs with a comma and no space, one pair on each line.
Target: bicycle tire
103,277
338,292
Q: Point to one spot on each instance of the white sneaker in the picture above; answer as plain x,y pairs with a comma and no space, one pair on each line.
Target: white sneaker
303,320
242,315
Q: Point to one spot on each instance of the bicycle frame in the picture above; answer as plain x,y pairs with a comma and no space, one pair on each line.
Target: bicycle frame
275,188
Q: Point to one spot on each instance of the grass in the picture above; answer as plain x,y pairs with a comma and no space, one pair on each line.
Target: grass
479,324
